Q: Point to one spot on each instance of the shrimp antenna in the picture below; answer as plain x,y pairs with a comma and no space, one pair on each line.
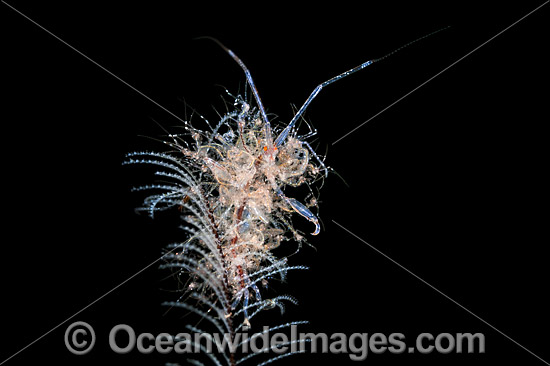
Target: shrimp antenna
250,82
281,138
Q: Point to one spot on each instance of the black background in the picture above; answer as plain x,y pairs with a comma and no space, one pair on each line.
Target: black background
447,182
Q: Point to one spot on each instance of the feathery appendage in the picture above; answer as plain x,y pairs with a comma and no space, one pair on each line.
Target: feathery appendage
228,186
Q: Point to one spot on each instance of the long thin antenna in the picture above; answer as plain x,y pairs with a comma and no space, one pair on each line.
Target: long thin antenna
281,138
252,86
